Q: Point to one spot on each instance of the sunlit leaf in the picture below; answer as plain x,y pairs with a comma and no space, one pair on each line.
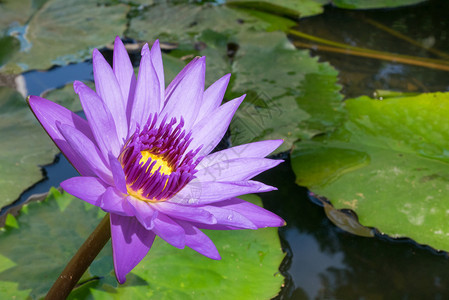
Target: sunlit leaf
67,31
290,94
293,8
15,13
184,23
50,232
47,237
24,146
389,163
366,4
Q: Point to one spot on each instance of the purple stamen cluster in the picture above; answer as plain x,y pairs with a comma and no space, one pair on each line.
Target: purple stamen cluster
169,143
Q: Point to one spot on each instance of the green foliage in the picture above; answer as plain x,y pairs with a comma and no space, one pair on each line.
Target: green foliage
67,31
290,94
292,8
389,163
24,146
48,235
33,254
367,4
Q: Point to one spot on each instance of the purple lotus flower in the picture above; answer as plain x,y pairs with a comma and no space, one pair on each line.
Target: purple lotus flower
144,156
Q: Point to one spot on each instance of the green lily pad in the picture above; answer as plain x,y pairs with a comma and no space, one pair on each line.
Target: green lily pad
54,229
184,23
62,32
293,8
24,147
290,94
367,4
17,13
389,163
8,46
34,252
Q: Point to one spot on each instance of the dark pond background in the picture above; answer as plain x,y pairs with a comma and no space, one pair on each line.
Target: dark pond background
323,261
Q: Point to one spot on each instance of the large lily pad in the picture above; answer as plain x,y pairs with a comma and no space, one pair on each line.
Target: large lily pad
66,31
290,94
16,13
55,228
293,8
389,163
24,146
364,4
38,245
184,23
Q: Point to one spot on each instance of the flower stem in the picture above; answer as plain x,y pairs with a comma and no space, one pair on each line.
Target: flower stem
81,261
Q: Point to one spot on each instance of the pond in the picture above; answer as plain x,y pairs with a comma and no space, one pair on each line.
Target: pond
322,260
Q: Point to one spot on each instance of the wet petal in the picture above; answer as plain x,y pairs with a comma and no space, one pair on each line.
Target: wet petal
124,72
89,189
187,213
169,231
199,242
130,243
109,90
147,97
258,215
100,120
230,217
209,131
48,112
236,169
86,149
213,97
201,193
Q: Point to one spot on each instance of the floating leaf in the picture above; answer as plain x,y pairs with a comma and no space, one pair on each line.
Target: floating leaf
389,163
17,13
50,232
184,23
8,46
293,8
67,31
24,147
364,4
290,94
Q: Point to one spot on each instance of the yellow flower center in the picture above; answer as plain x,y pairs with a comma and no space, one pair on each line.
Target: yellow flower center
160,162
165,169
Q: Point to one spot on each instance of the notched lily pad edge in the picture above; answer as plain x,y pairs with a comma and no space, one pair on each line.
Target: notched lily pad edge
13,210
364,231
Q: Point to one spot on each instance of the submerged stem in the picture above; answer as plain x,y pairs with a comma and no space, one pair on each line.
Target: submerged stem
351,50
381,56
81,261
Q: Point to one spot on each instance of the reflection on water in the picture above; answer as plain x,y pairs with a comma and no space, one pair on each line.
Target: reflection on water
39,81
426,24
306,273
325,262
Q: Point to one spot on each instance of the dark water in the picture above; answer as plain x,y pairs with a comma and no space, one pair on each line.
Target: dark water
323,261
